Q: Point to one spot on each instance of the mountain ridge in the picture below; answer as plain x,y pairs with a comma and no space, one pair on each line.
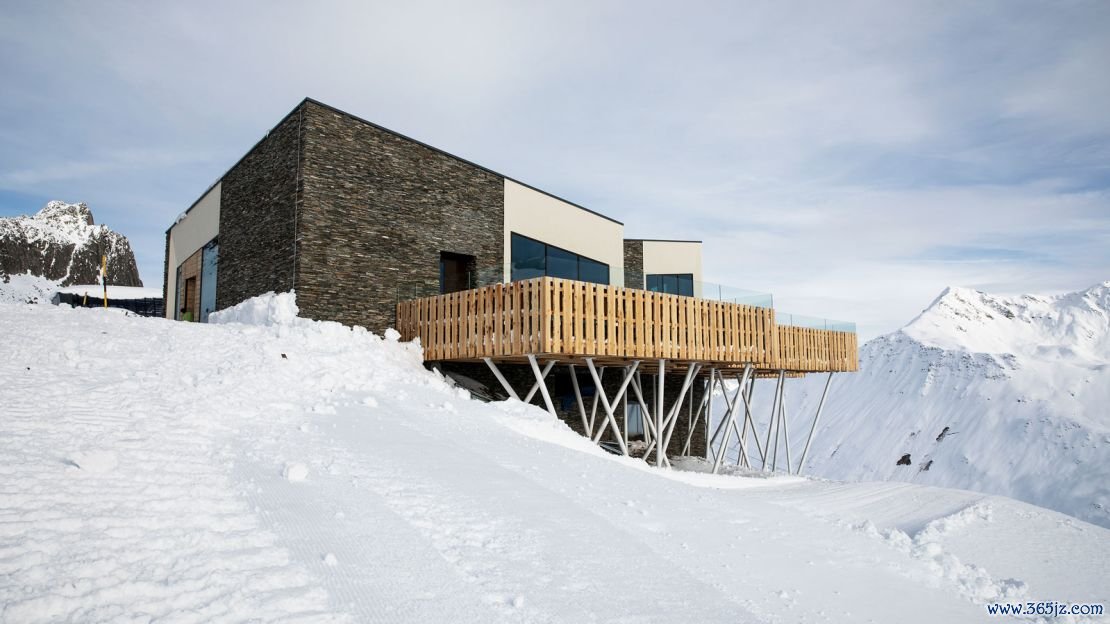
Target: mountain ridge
999,394
62,243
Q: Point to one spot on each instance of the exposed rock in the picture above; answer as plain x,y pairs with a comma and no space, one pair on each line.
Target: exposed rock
62,243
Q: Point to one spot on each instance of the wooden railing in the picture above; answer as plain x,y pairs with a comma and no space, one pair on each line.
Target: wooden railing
551,316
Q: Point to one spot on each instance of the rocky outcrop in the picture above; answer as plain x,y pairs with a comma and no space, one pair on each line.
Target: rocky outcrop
62,243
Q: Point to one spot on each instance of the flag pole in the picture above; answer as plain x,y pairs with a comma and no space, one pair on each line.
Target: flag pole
104,277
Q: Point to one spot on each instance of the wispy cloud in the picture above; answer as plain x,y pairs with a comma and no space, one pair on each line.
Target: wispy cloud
125,163
854,158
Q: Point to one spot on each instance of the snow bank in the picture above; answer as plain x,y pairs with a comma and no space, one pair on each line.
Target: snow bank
304,471
114,292
26,288
267,310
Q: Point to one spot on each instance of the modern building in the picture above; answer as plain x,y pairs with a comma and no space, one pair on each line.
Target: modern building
495,276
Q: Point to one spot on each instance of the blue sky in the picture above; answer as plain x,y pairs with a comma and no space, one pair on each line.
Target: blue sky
853,158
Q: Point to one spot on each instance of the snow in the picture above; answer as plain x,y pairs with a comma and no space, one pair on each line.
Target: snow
295,472
57,222
189,472
60,233
26,288
268,309
114,292
1002,395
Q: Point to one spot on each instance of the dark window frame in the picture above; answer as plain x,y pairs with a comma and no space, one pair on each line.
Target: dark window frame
546,272
467,259
680,280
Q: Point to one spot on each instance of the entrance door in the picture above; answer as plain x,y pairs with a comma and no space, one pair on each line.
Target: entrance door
191,296
455,272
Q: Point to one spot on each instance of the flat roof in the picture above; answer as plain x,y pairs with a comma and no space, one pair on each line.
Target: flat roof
663,240
309,100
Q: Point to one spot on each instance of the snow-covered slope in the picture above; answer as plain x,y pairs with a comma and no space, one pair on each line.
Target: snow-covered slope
299,471
1003,395
62,244
26,288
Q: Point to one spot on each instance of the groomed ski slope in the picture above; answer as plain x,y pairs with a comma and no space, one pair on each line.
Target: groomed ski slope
297,471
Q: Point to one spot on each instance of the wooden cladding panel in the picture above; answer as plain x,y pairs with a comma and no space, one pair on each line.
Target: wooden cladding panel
565,317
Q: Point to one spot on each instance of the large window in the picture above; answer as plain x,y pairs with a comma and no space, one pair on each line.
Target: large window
210,258
675,284
635,420
531,258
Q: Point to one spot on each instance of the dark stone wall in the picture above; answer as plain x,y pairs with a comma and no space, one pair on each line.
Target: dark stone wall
377,211
562,395
258,211
167,303
633,264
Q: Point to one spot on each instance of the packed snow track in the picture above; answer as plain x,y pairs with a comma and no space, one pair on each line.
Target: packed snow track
273,468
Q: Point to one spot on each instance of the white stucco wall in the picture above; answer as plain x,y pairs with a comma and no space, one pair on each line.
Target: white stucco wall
666,257
199,226
555,222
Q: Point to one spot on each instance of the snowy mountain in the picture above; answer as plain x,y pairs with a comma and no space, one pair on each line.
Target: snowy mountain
271,468
62,244
1003,395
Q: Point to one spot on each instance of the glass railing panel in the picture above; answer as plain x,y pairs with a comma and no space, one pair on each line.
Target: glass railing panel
692,288
813,322
732,294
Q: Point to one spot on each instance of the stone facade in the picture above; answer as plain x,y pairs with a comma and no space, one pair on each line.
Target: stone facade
633,263
167,302
377,210
258,216
355,217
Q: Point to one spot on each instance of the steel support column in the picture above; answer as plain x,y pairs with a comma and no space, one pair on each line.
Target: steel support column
813,428
611,418
578,399
501,378
660,377
771,422
543,385
730,420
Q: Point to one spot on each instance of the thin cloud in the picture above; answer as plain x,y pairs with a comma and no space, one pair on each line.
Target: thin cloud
853,159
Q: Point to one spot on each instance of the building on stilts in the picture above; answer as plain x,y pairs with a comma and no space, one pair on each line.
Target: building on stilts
512,291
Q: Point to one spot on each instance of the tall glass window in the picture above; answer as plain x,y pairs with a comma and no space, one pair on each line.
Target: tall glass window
635,420
177,303
529,258
209,259
593,271
532,258
561,263
674,284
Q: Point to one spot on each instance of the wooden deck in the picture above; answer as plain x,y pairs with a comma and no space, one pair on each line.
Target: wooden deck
571,320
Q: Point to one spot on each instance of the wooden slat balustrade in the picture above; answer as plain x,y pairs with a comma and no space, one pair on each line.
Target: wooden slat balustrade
572,320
